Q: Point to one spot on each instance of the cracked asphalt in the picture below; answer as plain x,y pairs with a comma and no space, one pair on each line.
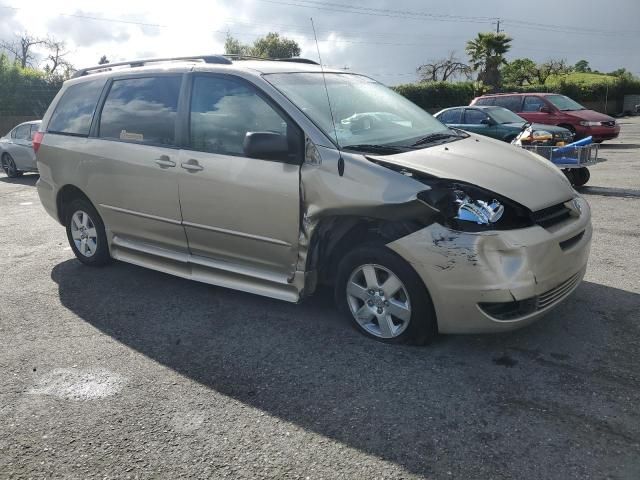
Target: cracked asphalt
123,372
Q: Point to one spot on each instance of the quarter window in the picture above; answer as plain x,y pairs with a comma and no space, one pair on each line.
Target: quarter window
451,116
512,102
142,110
532,104
223,110
74,111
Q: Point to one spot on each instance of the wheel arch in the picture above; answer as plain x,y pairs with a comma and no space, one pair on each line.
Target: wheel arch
66,195
336,236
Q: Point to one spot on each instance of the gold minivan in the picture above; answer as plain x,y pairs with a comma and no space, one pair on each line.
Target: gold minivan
273,177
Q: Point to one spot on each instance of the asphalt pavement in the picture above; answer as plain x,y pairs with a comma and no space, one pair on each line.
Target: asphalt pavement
123,372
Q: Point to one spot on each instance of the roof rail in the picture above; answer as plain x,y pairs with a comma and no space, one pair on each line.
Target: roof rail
236,56
139,63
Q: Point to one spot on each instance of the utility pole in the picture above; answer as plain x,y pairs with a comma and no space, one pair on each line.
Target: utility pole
497,24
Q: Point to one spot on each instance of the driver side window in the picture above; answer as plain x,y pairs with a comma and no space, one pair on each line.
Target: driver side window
474,117
532,104
223,110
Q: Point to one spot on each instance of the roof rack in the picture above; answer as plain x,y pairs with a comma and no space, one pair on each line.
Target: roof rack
219,59
235,56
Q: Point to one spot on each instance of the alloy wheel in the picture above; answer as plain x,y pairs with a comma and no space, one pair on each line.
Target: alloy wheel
378,301
84,234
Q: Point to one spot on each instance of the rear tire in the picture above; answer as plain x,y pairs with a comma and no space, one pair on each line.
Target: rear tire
384,297
86,233
9,166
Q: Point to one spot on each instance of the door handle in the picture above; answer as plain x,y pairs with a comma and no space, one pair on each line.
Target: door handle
165,162
191,165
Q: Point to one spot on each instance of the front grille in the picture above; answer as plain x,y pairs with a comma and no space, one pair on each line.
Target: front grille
550,216
556,294
508,311
610,123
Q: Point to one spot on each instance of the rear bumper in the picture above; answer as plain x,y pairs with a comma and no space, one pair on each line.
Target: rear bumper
534,266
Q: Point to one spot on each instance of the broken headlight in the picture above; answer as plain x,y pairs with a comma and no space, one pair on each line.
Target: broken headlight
469,208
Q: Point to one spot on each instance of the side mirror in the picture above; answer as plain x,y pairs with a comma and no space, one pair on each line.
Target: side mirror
545,109
266,146
487,121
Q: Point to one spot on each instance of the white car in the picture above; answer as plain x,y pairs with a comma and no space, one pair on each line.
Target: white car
16,150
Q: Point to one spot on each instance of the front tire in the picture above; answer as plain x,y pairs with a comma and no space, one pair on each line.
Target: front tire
86,233
384,297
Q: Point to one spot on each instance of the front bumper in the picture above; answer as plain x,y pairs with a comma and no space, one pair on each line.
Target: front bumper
599,133
463,271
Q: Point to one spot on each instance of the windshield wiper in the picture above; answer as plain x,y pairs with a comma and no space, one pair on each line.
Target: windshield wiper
434,137
381,149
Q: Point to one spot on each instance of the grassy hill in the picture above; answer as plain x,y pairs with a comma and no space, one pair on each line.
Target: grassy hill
581,78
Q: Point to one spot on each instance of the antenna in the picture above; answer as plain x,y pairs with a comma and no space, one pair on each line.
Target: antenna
326,89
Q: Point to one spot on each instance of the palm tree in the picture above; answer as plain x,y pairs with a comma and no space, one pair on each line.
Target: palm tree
486,53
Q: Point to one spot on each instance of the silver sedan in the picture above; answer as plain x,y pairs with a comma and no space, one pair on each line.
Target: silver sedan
16,150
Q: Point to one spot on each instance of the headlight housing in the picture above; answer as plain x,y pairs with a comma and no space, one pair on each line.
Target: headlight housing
465,207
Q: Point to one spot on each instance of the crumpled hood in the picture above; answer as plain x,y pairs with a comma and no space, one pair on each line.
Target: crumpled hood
496,166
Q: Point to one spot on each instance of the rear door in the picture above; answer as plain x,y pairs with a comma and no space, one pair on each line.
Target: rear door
132,174
237,209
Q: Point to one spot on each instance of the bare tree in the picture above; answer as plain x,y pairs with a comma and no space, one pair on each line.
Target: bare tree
103,60
56,56
22,49
444,69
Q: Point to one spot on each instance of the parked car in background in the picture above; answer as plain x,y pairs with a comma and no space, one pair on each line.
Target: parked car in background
236,173
499,123
16,152
555,109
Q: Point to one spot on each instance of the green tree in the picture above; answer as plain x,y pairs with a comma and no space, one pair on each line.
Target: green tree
271,45
551,67
582,66
232,46
486,53
520,71
274,46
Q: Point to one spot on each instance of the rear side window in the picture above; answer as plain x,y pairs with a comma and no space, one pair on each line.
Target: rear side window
484,101
451,116
75,109
142,110
512,102
532,104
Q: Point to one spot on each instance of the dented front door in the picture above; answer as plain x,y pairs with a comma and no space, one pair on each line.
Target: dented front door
236,209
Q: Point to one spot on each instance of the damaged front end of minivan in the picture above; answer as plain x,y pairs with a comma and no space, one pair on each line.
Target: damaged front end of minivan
482,256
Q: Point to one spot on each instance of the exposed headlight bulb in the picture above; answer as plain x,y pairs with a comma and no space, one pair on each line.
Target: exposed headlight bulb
478,211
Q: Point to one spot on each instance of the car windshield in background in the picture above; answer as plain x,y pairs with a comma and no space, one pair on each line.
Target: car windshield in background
504,115
564,103
365,112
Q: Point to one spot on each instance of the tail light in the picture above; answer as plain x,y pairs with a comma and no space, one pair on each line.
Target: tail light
37,140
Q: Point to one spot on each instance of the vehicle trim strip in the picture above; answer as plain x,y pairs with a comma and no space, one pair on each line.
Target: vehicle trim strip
234,233
143,215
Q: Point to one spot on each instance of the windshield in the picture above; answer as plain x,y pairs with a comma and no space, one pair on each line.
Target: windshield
364,111
504,115
564,103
